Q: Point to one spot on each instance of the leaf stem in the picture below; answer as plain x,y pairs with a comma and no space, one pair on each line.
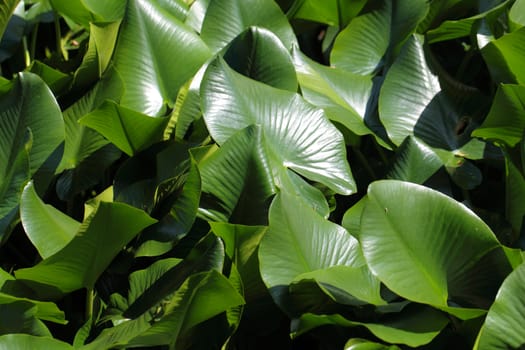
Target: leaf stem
58,35
32,48
90,297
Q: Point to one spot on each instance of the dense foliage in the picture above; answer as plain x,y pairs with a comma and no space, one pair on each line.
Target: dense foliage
258,174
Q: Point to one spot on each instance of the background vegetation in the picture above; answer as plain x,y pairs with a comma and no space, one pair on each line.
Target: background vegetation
254,174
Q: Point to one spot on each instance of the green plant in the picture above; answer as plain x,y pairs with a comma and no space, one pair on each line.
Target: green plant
249,174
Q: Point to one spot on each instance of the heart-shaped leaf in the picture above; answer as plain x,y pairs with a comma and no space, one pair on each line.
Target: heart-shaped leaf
298,136
429,248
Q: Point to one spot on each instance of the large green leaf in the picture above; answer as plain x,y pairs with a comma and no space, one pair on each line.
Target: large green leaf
429,248
258,53
30,342
47,228
362,344
414,327
505,56
503,327
517,13
299,242
31,129
411,101
514,192
343,95
297,135
506,119
74,10
80,263
361,47
6,10
108,11
225,19
128,130
155,55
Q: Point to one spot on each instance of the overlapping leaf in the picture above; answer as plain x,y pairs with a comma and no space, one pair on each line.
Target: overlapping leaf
297,136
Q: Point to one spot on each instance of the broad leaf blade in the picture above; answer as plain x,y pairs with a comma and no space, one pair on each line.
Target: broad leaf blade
298,135
47,228
299,241
6,10
29,342
80,263
155,55
225,19
429,248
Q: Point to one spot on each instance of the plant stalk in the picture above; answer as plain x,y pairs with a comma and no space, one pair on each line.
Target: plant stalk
90,297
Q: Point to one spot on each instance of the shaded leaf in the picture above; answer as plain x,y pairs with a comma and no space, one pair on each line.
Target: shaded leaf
128,130
80,263
30,342
506,119
225,19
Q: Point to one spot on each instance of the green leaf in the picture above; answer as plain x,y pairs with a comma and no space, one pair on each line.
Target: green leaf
332,12
75,11
80,263
108,11
155,55
411,101
202,296
343,95
44,310
226,19
30,342
298,136
31,129
514,192
415,162
258,53
414,327
367,43
300,241
46,227
6,10
239,180
517,13
453,29
429,248
506,119
128,130
503,327
505,56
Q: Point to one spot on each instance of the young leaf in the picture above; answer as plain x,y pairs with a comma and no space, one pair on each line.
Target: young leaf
429,248
128,130
80,263
47,228
298,135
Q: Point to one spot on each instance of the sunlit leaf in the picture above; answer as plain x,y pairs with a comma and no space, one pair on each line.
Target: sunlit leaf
429,248
30,342
47,228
